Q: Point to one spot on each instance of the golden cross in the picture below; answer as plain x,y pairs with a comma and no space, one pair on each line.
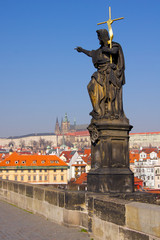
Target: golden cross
109,22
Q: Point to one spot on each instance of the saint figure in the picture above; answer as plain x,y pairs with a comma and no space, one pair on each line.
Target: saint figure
105,87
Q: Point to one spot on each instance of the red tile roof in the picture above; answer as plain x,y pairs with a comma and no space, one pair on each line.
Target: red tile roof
67,154
137,180
87,151
79,165
133,156
82,179
76,134
32,160
149,150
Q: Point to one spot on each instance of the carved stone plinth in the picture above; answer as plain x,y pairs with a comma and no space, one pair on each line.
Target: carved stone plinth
110,157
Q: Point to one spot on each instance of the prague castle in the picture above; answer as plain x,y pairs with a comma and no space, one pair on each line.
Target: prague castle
78,135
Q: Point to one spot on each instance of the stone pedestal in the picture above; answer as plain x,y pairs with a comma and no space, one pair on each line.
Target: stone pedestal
110,171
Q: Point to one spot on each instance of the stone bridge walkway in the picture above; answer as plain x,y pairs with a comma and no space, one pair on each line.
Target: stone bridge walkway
18,224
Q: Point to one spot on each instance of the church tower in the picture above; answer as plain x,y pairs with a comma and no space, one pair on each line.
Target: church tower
57,128
65,125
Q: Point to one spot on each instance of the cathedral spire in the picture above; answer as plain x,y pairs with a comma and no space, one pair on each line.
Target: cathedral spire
57,128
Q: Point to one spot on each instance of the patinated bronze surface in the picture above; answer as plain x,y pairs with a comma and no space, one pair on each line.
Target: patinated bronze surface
105,87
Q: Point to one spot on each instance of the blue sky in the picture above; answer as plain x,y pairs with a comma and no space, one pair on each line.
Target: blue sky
42,76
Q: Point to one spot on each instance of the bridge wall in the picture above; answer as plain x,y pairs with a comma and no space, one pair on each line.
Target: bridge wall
104,216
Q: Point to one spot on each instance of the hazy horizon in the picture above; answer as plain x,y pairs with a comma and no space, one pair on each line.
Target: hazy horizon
43,77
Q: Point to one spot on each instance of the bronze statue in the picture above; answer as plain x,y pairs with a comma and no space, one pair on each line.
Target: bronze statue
105,87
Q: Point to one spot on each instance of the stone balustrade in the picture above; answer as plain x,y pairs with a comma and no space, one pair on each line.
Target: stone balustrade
105,216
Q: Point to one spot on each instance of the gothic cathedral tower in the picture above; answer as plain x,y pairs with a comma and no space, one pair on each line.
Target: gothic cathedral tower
65,125
57,128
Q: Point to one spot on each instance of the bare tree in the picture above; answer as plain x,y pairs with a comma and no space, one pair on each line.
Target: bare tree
22,144
35,146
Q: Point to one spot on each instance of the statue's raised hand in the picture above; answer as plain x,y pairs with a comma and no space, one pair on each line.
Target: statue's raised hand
79,49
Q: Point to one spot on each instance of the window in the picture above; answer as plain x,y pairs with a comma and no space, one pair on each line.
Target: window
34,162
40,170
45,178
29,178
15,178
43,161
40,178
34,178
29,170
61,170
16,170
45,170
7,162
51,161
23,162
54,170
16,162
22,178
54,178
62,178
21,170
6,177
6,170
34,170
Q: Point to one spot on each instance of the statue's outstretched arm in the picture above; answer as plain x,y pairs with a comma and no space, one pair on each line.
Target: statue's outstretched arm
113,50
80,49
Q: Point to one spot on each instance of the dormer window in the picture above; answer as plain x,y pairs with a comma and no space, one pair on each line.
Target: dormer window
34,162
51,161
7,162
16,162
43,161
23,162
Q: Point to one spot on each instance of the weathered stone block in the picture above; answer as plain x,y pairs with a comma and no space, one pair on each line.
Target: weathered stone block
29,204
15,187
0,183
74,200
14,198
61,196
51,197
10,186
22,201
55,213
90,204
143,217
40,207
71,217
126,234
103,230
29,191
110,211
5,184
39,193
84,220
22,189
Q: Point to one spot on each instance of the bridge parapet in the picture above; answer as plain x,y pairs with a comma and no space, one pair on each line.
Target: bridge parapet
105,216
